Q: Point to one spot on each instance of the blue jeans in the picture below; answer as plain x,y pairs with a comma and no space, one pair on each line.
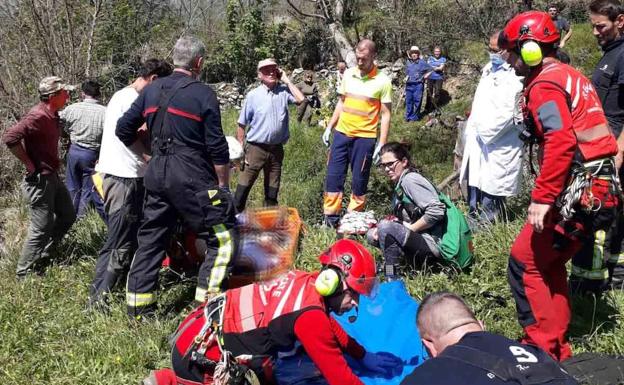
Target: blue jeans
487,207
297,370
80,167
413,100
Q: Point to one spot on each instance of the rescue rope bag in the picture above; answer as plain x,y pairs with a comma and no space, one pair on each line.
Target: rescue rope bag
456,244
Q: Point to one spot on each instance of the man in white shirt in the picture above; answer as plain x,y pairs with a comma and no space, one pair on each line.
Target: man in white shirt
122,169
492,156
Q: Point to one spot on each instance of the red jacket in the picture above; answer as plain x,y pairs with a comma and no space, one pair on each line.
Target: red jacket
264,318
565,110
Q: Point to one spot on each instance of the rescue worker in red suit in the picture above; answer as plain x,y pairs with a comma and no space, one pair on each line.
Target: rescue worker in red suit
284,324
573,202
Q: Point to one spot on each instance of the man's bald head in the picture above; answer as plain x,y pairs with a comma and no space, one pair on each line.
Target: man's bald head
442,312
365,53
367,44
493,46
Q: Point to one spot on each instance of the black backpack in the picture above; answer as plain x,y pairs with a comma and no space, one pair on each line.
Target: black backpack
596,369
549,372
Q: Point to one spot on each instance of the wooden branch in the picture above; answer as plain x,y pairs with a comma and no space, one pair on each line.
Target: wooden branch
96,13
300,12
448,180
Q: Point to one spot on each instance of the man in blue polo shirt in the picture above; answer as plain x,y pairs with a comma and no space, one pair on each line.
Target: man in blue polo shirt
436,78
417,72
265,112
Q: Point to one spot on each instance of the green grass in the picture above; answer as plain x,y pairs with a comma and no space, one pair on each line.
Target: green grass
47,336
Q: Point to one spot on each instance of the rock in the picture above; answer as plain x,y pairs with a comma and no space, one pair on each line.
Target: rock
398,65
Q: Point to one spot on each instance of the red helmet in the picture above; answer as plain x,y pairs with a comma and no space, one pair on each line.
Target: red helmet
356,263
532,25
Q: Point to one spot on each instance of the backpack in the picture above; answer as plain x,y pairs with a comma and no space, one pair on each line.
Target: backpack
596,369
534,374
456,243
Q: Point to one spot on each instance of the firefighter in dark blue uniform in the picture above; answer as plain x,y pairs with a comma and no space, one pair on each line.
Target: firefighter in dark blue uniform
463,353
187,177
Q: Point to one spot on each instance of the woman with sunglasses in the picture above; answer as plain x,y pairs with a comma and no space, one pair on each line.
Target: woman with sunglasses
418,221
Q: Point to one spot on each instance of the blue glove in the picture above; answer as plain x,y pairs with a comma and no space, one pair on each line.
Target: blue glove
384,363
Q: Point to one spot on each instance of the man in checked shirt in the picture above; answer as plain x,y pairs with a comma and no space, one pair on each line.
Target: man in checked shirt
84,121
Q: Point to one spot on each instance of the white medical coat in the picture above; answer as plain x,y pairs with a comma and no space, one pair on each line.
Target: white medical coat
492,158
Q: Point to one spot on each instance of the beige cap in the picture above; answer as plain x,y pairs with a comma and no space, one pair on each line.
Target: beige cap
52,84
414,49
266,63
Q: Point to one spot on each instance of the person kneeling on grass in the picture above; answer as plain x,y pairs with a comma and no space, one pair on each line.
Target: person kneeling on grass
425,224
280,331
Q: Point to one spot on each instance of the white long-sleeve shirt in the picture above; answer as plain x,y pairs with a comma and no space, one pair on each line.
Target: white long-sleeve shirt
492,158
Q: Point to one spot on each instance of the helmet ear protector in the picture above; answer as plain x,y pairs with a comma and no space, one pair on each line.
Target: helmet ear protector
328,282
530,50
531,53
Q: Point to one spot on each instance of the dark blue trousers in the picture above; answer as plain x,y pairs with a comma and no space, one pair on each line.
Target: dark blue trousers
485,206
80,167
413,100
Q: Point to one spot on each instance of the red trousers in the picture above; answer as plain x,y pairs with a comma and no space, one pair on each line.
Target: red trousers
537,276
537,273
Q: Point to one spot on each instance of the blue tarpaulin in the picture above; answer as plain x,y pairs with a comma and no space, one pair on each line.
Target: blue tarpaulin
387,323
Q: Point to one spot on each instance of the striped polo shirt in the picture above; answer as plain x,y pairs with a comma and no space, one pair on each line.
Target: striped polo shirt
361,106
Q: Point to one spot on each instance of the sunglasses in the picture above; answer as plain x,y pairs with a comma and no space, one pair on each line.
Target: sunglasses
388,165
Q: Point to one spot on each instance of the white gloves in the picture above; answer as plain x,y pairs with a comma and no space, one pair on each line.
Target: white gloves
376,154
384,363
326,136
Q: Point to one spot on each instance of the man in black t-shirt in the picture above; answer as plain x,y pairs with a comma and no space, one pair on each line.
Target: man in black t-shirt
607,20
563,25
462,353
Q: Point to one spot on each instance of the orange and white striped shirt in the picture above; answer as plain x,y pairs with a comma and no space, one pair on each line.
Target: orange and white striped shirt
361,106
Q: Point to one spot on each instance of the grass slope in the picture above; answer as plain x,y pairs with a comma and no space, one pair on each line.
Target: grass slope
47,337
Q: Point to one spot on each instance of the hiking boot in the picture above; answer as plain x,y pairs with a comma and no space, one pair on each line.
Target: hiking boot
331,221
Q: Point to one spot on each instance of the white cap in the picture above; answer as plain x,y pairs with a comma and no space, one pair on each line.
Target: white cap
414,49
266,63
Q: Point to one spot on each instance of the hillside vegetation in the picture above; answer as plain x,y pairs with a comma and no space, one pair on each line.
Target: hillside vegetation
47,336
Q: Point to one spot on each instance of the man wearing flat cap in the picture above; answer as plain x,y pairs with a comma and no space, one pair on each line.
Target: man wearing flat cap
265,114
34,141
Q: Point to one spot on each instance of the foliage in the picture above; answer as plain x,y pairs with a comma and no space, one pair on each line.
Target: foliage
248,40
49,338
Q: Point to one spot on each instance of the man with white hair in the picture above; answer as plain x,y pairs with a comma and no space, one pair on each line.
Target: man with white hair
462,352
187,177
263,130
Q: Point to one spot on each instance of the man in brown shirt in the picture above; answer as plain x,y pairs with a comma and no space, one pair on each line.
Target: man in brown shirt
34,141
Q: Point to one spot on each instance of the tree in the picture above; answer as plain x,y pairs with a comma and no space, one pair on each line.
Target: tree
331,14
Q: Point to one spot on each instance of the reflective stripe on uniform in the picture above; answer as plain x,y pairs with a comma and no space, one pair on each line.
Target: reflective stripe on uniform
590,274
598,269
224,255
140,299
598,255
617,258
200,294
592,133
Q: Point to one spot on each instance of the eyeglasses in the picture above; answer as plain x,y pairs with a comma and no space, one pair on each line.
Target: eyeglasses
388,165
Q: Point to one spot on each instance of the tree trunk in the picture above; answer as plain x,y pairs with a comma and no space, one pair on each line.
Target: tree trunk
345,49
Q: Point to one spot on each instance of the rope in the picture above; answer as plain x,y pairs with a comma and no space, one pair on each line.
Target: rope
579,189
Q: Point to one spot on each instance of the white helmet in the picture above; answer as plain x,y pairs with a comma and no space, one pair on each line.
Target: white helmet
236,150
